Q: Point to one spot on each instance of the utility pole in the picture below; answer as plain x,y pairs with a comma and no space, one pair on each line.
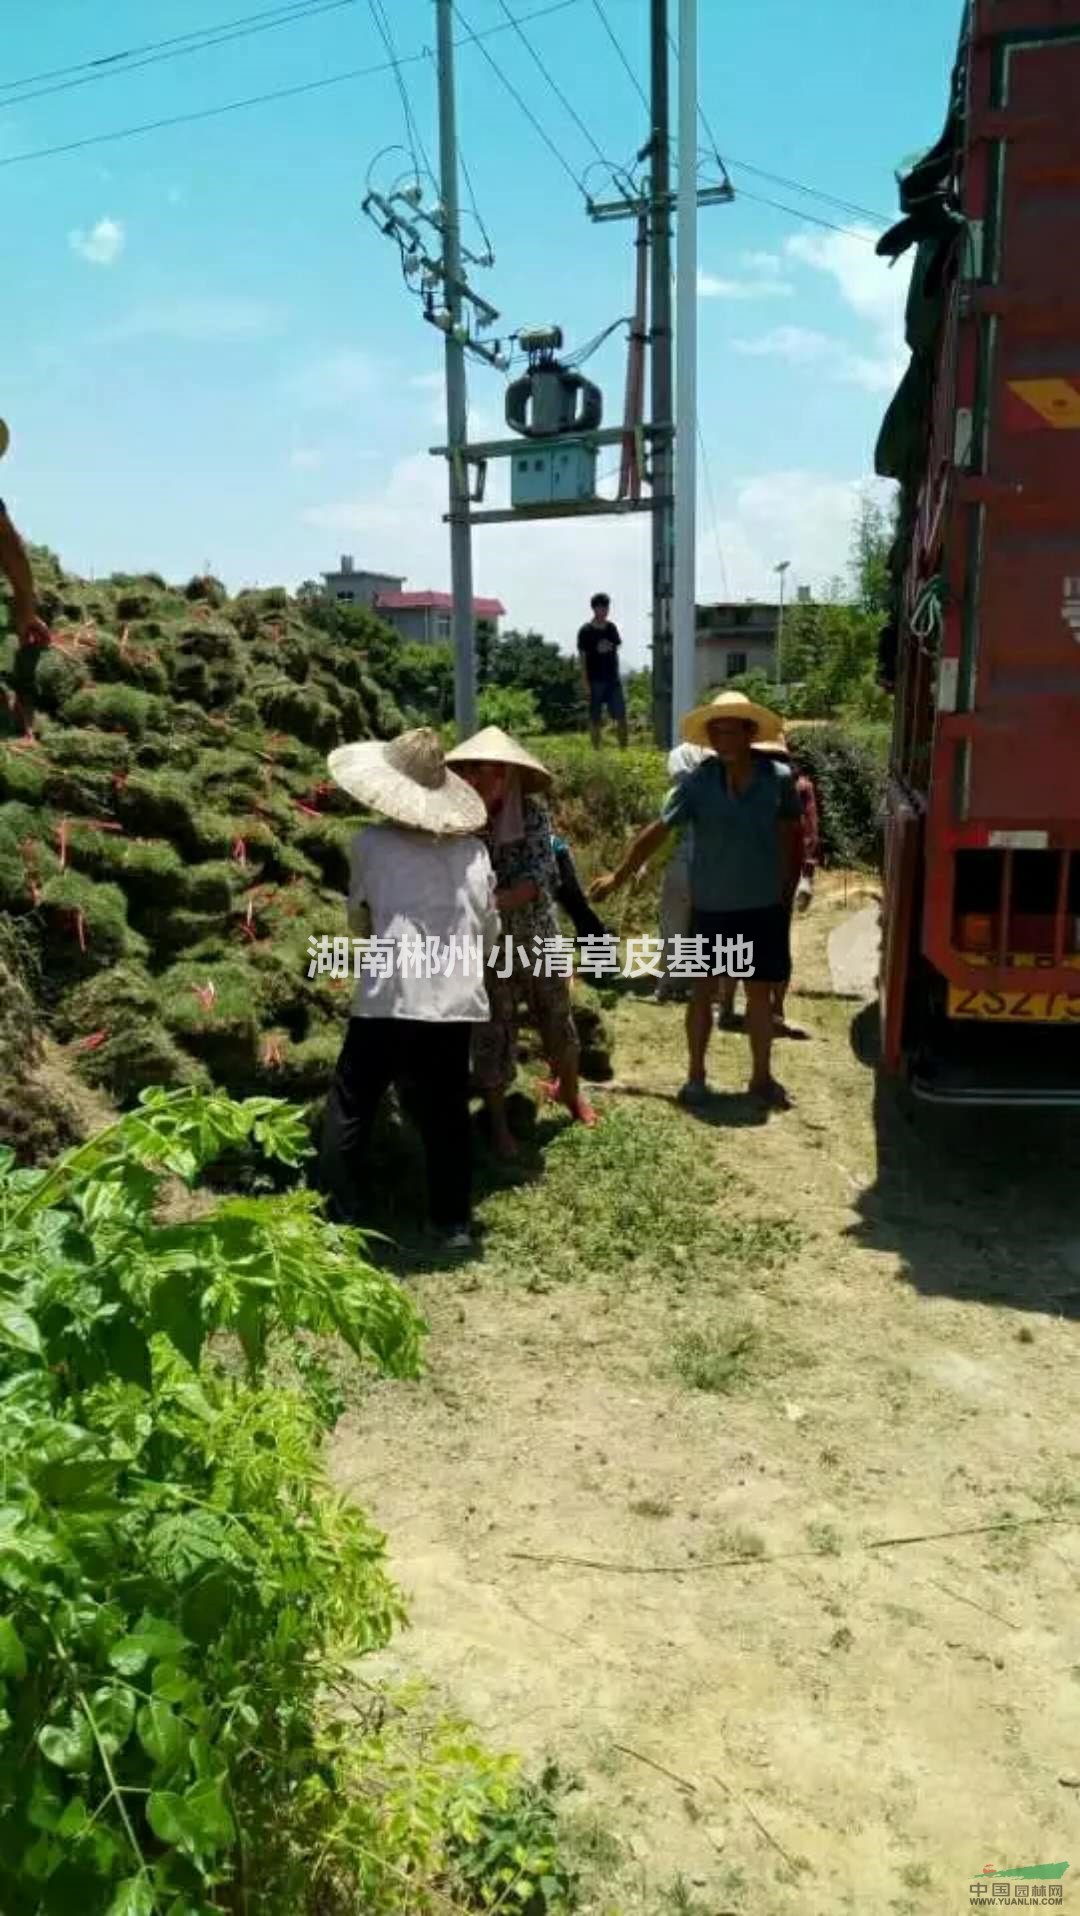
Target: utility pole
663,524
685,618
461,581
781,571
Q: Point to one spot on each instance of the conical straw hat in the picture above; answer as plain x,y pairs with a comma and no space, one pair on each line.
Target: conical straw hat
493,746
406,779
736,705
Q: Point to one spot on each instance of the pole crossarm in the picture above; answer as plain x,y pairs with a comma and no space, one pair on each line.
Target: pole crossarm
563,509
600,210
506,448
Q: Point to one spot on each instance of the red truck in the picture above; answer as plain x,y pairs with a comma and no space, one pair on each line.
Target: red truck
980,964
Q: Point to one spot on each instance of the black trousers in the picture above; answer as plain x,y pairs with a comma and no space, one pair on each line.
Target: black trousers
429,1064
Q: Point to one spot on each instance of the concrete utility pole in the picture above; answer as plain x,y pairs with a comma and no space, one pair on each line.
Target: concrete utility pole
685,619
461,579
663,528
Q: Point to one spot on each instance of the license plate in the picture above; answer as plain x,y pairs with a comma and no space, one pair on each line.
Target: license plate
1015,1007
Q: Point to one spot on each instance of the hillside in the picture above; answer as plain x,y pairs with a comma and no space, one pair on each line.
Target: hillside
168,838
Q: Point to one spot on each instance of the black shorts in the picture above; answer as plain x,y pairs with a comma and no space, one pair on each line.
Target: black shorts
767,930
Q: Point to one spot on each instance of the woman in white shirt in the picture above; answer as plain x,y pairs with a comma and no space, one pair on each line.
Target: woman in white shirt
675,885
423,890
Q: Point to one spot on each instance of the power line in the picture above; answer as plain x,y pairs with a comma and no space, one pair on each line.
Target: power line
778,179
412,130
713,513
260,99
476,213
117,64
566,104
830,199
516,97
624,62
798,213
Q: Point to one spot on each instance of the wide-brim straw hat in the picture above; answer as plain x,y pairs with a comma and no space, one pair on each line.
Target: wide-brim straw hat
734,705
407,780
493,746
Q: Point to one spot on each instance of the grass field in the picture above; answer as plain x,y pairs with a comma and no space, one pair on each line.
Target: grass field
744,1482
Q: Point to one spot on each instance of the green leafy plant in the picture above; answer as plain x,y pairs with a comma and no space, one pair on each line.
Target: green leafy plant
177,1583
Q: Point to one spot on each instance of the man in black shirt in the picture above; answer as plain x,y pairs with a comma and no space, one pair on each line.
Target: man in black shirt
598,645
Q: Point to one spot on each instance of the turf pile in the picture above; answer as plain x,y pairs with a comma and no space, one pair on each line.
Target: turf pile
168,837
169,840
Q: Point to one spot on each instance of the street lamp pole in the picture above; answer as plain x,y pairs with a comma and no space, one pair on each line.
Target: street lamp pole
781,572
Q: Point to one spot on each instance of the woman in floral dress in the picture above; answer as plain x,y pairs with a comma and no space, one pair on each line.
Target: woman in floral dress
513,785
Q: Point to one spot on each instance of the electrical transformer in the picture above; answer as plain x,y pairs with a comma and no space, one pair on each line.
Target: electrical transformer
552,402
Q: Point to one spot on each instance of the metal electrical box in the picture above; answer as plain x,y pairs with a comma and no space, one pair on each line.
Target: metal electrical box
541,476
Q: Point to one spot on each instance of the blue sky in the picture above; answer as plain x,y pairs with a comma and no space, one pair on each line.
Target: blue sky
208,356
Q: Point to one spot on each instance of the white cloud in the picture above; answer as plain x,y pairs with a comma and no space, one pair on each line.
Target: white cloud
305,459
334,379
769,263
102,245
214,319
765,286
804,517
874,294
799,344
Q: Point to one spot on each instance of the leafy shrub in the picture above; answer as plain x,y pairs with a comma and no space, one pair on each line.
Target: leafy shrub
849,779
179,1586
510,706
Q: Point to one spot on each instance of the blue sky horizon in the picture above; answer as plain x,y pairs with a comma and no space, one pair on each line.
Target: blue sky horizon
210,358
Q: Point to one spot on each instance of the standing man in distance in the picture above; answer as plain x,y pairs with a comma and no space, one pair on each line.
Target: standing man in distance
15,566
598,645
745,863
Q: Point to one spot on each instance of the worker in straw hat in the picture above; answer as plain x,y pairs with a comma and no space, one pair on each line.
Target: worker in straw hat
804,892
15,566
422,880
745,815
513,785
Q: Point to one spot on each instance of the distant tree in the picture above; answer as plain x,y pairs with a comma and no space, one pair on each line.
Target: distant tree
533,664
871,540
421,678
756,686
309,591
485,639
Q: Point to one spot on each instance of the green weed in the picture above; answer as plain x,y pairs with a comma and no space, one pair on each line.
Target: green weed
718,1360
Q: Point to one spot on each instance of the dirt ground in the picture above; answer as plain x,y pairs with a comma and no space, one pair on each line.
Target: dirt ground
744,1482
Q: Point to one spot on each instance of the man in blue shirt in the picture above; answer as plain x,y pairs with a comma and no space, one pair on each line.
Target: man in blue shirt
745,863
